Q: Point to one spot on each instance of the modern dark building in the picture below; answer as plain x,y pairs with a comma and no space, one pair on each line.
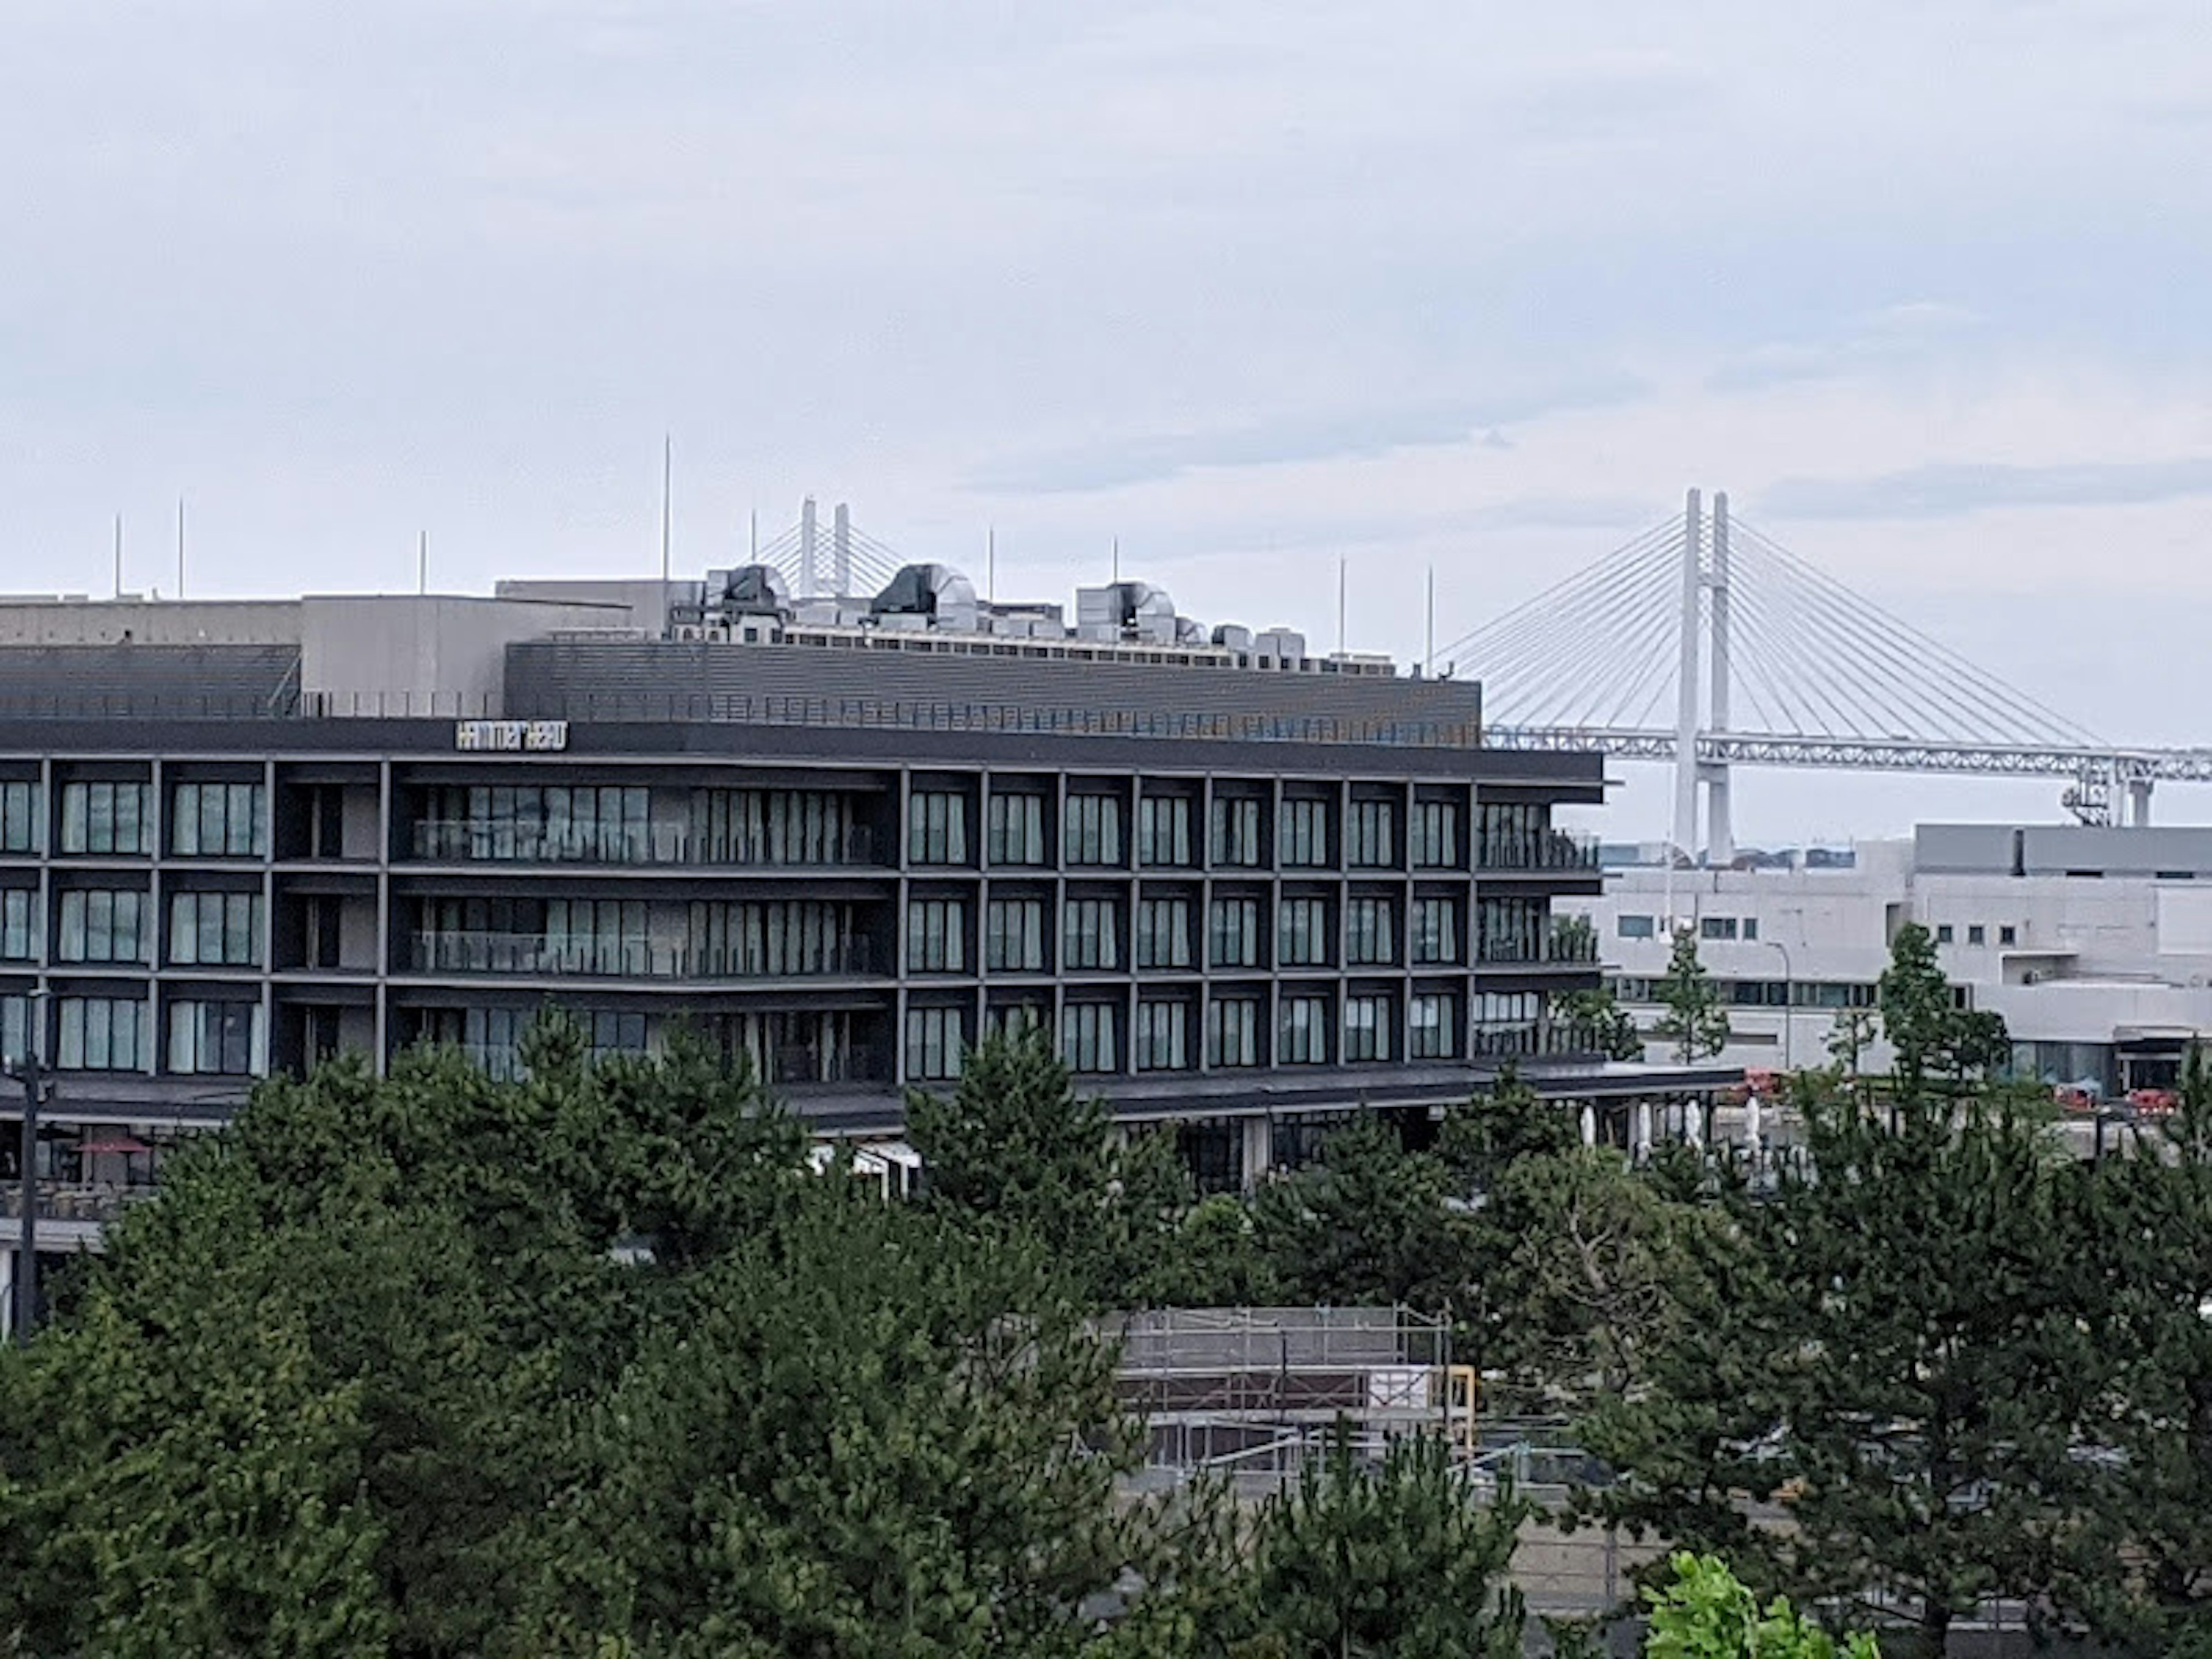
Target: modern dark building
842,839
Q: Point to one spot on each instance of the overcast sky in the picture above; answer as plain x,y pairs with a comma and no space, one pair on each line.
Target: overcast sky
1252,287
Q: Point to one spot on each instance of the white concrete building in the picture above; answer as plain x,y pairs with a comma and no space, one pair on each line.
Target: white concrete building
2095,945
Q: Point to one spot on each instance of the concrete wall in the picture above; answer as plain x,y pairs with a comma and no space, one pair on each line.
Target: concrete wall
645,599
438,655
149,621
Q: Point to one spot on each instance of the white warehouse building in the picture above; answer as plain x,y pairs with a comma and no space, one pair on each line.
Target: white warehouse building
2095,944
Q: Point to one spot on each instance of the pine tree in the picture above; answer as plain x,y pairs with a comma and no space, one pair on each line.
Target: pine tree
1696,1024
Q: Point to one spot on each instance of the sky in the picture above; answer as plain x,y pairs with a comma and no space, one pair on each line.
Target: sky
1248,288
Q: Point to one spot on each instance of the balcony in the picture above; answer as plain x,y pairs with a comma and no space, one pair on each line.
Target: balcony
1555,849
1532,1039
790,1066
532,955
469,841
1578,949
95,1201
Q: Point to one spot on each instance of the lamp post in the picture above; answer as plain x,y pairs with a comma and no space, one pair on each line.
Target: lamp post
1789,996
27,1246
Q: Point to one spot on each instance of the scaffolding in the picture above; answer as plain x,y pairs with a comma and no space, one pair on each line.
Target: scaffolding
1253,1394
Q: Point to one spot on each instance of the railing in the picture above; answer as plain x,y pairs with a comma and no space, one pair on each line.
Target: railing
534,955
793,1065
77,1201
1578,950
1554,849
469,841
1518,1039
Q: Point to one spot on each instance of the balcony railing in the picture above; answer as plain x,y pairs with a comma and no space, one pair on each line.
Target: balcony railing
471,840
1554,849
1532,1039
76,1200
534,956
792,1065
1578,950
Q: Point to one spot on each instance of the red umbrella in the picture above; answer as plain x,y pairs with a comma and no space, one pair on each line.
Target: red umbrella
113,1143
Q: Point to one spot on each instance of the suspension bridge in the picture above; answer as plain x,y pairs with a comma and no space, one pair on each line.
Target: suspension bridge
1706,643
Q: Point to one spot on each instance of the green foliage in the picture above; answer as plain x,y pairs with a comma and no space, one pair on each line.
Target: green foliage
1933,1038
1705,1612
1013,1149
1401,1561
1610,1027
1695,1024
1365,1224
1892,1345
1853,1033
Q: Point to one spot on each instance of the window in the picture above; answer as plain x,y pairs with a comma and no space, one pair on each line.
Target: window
1233,935
1163,1038
1016,1019
1435,835
1636,927
1512,929
217,821
1368,835
937,826
1302,834
598,936
934,1041
1433,1024
1237,832
1369,938
1977,933
215,1038
1014,830
1163,932
1513,834
108,817
740,826
1436,930
1091,936
584,824
21,818
100,925
763,937
1302,940
1163,831
14,1029
1089,1036
1751,927
1304,1031
1232,1032
1943,933
1716,927
100,1034
2007,934
1013,935
1368,1017
936,931
19,925
1093,830
210,928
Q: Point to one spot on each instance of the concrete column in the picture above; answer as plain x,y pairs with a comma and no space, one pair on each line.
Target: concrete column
1720,832
2139,803
1685,719
1259,1150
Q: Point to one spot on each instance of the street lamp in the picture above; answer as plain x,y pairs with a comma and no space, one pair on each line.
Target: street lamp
1789,996
26,1244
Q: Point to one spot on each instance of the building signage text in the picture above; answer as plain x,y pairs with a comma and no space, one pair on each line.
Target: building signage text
511,736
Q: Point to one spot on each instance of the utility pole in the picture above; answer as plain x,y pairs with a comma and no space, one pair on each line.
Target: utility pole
667,482
422,562
118,556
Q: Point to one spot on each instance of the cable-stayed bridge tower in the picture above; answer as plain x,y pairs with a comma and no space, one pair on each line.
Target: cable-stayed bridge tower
1706,643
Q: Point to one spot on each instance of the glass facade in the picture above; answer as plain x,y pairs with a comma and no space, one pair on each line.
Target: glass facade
218,821
114,818
103,924
22,817
210,928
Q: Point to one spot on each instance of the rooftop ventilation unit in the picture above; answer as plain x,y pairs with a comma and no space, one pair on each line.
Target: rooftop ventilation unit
925,596
1125,611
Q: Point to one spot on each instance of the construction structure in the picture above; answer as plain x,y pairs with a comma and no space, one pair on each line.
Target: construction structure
1252,1394
1706,643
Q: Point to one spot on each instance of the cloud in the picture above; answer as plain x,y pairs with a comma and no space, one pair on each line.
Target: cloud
1947,491
1894,334
1337,435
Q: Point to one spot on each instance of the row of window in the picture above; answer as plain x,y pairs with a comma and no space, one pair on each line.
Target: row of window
206,820
1709,928
105,925
1091,831
1310,1030
206,1037
1977,933
1766,992
1091,934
